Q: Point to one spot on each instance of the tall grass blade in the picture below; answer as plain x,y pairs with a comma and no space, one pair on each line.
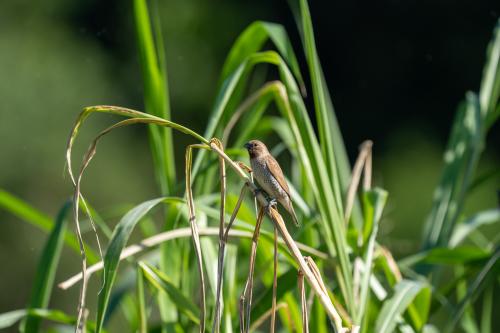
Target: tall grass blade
323,114
156,97
461,156
490,85
464,148
252,39
46,271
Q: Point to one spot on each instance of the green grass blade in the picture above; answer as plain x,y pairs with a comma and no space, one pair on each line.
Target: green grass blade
461,156
323,114
464,229
252,39
404,293
464,148
490,85
47,266
156,97
8,319
161,282
487,310
118,241
141,301
30,214
373,204
473,290
446,256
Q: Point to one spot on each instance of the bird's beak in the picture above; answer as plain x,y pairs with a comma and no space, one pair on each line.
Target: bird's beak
247,145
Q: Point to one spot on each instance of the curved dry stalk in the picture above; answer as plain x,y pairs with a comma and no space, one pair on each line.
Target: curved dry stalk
89,155
245,307
194,232
363,163
175,234
275,280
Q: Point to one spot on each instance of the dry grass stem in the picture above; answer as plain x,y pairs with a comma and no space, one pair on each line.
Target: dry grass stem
222,240
275,280
303,302
246,296
363,162
157,239
195,233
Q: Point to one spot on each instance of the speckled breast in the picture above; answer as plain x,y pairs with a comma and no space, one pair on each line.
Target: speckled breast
265,179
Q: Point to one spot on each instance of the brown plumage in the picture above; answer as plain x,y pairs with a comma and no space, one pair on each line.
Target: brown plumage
269,176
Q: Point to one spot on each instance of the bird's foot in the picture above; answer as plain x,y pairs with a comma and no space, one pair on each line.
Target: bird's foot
273,203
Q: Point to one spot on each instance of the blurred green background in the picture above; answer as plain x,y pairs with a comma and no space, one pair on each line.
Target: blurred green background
396,72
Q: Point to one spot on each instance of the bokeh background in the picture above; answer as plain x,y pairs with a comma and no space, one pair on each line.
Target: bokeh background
397,70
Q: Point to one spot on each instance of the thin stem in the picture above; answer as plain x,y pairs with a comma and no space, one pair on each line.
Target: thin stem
222,242
303,302
275,280
363,162
195,233
248,290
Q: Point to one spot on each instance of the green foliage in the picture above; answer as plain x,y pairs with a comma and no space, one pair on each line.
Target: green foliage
360,278
46,271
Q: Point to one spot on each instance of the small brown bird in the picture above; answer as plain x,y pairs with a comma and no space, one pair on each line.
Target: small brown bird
269,175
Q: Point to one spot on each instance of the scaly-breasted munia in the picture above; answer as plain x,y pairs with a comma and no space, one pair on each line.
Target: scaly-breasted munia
268,174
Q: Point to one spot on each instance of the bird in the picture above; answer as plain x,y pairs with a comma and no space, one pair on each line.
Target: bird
269,176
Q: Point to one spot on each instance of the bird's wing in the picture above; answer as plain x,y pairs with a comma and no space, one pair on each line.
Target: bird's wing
275,170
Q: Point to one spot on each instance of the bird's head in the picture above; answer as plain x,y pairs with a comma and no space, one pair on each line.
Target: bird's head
256,148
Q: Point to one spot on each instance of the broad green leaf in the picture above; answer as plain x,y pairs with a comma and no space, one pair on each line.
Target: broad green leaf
419,309
46,270
404,293
161,282
119,239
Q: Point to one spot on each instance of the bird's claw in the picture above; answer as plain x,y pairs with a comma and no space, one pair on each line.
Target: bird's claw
273,203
